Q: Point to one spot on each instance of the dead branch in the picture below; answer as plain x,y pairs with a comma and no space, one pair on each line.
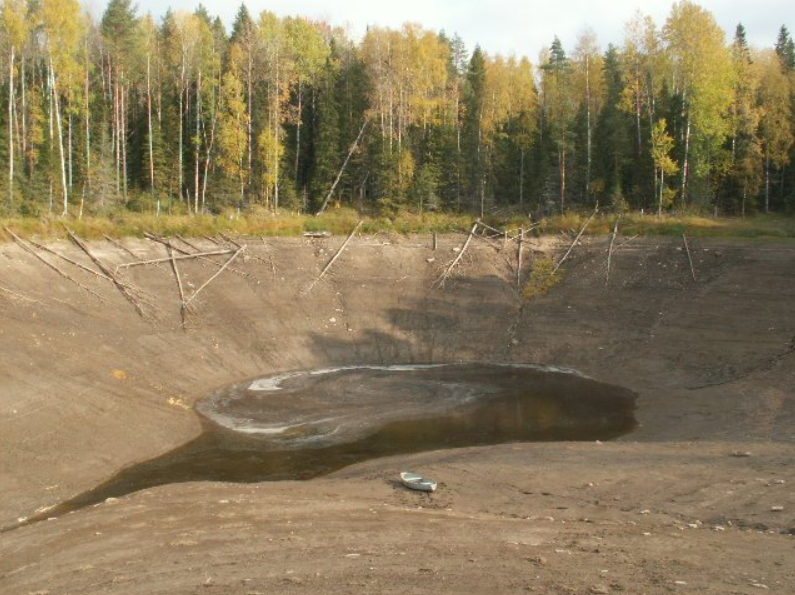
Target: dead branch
610,250
69,260
123,288
622,244
336,256
121,247
31,251
254,256
574,243
440,281
187,243
689,258
18,296
184,309
183,257
221,270
519,260
167,243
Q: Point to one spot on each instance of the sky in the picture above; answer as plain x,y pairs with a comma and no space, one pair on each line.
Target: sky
519,27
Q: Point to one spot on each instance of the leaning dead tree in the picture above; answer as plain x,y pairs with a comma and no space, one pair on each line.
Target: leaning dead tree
127,291
211,279
610,250
331,262
441,279
689,258
342,169
139,263
574,243
20,242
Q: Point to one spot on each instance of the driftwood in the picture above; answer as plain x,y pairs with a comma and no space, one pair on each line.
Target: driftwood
440,281
187,243
624,243
256,258
16,295
336,256
317,234
689,258
121,247
184,308
574,243
31,251
166,243
124,289
210,280
44,248
610,250
519,260
172,258
342,169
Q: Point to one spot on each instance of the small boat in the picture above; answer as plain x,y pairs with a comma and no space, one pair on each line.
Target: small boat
417,482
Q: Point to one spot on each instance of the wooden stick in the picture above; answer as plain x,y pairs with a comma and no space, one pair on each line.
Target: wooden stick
187,243
221,270
435,241
166,243
342,169
182,306
336,256
31,251
69,260
444,276
610,250
127,265
121,247
689,258
519,260
622,244
17,295
574,243
254,256
124,289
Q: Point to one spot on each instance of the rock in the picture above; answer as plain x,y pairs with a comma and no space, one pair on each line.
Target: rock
776,508
741,454
599,590
538,560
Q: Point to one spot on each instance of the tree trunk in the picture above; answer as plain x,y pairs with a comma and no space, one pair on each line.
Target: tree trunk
298,135
149,125
123,141
562,166
88,127
60,141
767,181
197,143
686,161
11,128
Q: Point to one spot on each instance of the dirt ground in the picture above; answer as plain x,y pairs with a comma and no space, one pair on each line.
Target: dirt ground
699,499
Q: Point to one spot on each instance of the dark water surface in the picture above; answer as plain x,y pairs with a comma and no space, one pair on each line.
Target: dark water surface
306,424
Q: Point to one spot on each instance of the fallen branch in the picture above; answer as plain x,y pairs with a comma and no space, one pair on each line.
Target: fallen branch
254,256
183,257
123,288
31,251
166,243
69,260
16,295
519,261
622,244
574,243
221,270
440,281
183,307
121,247
336,256
689,258
610,250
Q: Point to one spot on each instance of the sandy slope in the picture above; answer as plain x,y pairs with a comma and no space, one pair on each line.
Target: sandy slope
87,387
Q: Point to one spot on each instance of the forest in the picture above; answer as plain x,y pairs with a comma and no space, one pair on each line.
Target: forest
188,114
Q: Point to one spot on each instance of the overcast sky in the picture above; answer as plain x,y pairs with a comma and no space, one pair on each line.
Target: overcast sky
500,26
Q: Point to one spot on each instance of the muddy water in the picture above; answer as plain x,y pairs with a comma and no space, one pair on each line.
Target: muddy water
306,424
